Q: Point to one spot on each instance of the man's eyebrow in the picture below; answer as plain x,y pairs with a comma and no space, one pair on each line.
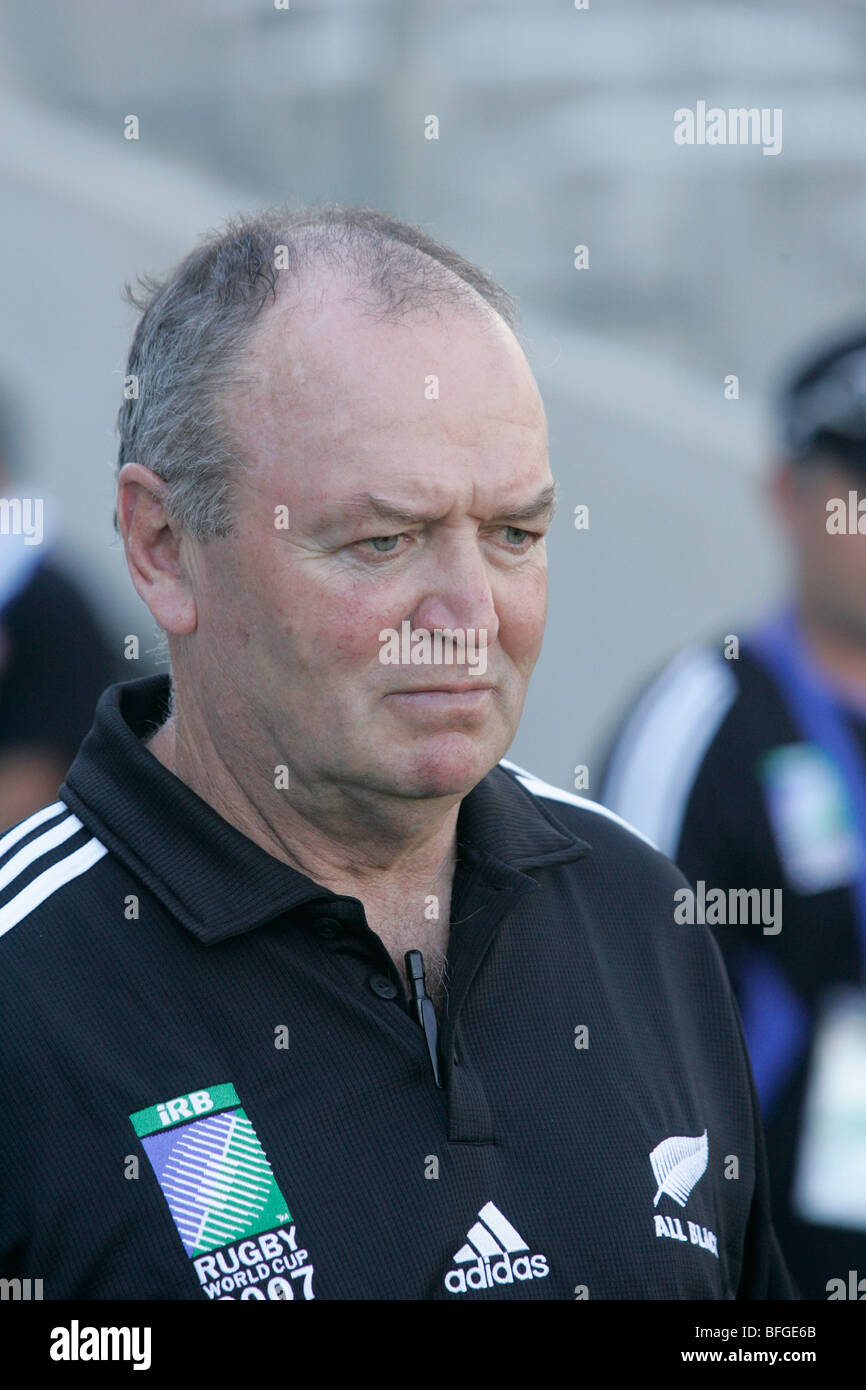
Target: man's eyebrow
541,507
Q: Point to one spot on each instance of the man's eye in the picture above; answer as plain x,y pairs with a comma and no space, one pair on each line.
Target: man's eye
516,537
516,531
382,544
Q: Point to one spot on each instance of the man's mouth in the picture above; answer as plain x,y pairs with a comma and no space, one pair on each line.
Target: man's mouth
461,696
453,688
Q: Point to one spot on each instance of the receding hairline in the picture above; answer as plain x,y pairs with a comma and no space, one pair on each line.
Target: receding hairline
199,324
292,315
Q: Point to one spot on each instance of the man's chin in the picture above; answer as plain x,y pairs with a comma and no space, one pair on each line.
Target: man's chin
448,765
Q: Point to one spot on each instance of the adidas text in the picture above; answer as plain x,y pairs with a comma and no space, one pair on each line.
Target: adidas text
501,1270
494,1253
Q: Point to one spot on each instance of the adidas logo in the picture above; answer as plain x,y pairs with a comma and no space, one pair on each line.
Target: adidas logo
493,1254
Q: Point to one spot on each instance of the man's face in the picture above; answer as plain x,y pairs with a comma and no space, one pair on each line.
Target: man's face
336,408
832,566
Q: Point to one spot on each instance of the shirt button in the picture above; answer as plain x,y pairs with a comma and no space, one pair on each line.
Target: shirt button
328,928
381,985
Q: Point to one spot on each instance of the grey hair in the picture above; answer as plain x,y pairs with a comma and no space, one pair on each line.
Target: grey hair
196,322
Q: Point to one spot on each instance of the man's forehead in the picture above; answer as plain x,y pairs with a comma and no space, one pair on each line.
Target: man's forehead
330,344
332,401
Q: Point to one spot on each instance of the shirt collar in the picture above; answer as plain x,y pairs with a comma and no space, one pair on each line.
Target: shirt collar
212,878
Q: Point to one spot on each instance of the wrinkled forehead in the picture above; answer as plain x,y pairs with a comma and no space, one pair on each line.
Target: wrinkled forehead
327,383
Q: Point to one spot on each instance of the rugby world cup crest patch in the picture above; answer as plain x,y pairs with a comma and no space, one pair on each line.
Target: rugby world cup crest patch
232,1218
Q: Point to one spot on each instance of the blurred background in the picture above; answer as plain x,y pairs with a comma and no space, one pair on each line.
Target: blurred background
555,130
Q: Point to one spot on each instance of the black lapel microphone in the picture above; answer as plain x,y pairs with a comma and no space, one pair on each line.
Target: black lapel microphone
423,1008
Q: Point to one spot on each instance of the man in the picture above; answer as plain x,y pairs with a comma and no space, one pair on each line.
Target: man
215,941
746,765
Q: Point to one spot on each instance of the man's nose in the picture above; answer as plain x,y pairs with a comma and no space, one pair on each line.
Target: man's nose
458,590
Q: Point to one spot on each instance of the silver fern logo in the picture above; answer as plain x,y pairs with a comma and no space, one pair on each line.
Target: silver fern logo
678,1163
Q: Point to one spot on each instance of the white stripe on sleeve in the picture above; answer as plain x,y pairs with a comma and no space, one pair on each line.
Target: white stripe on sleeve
50,840
19,831
48,882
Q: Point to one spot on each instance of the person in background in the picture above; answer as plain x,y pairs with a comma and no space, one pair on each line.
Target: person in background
748,768
55,660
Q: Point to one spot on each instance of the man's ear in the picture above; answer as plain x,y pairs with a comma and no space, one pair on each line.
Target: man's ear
155,543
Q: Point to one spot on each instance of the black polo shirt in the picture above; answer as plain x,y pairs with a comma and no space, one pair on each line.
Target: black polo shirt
213,1086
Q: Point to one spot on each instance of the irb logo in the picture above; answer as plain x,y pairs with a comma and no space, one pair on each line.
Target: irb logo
184,1107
